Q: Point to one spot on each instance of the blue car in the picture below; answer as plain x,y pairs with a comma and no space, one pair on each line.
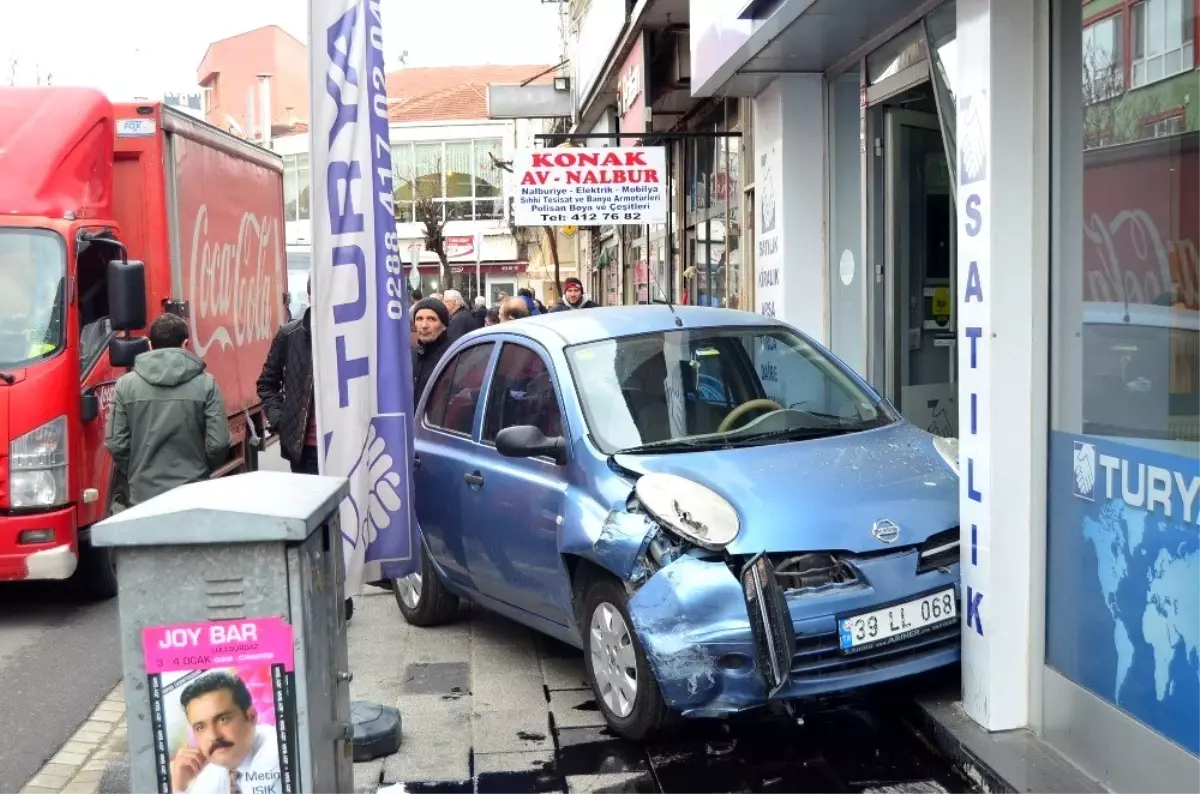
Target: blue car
707,503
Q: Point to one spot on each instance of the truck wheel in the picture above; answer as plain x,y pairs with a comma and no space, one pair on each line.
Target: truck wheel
422,598
622,681
96,575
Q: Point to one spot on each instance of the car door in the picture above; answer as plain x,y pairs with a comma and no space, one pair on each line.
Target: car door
444,440
513,543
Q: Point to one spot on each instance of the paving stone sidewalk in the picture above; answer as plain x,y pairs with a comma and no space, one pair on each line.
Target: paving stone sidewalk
479,697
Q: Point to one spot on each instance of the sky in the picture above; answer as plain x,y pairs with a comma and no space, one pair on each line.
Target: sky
132,48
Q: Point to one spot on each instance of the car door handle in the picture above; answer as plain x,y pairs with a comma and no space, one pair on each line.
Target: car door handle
416,461
474,479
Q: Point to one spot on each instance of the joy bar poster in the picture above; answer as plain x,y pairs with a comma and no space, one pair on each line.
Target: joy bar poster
222,701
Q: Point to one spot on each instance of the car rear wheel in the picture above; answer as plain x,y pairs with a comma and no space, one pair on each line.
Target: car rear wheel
622,681
422,598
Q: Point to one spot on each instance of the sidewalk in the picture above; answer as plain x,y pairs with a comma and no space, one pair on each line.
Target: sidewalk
481,698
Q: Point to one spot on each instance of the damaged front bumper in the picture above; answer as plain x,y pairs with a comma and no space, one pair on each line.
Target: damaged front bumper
693,618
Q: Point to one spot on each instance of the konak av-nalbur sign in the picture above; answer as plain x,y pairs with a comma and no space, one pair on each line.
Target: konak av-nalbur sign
603,187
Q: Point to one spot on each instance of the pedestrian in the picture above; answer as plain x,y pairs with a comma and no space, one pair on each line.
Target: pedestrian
286,389
431,322
416,295
462,321
526,294
493,316
167,426
573,297
481,311
514,309
437,296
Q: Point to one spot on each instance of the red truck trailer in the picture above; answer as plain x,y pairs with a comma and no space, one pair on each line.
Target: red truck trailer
111,214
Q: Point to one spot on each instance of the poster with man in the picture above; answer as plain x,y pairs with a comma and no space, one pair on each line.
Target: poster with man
222,706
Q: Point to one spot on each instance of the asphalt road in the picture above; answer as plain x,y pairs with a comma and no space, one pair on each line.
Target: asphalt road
59,657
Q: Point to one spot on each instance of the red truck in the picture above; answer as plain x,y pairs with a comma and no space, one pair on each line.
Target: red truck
111,214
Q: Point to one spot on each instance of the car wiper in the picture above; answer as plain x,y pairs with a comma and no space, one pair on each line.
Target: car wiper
676,445
9,379
794,434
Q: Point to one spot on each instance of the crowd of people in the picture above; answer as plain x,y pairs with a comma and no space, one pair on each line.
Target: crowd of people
443,317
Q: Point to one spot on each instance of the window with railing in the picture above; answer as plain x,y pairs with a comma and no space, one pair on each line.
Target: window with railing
461,176
296,184
1163,40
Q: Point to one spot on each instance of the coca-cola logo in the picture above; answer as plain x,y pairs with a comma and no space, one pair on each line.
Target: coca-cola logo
1136,264
235,283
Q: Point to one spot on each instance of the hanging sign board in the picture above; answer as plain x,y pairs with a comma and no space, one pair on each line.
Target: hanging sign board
586,187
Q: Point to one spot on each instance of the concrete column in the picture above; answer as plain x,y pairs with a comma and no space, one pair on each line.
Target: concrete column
789,186
1002,351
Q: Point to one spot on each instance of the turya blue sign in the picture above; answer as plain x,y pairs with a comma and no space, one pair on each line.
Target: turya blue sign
363,368
1123,579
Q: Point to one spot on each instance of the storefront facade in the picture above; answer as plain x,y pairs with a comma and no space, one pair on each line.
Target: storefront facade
992,210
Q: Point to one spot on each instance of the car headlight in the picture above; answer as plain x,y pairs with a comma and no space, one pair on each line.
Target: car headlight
948,449
37,464
690,510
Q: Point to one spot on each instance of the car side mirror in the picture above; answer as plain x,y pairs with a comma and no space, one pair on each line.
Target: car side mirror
122,350
527,441
127,295
89,407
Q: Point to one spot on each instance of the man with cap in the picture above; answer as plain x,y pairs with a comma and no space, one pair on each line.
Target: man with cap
573,297
430,324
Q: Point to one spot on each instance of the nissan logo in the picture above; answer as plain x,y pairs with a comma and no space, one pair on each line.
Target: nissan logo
885,531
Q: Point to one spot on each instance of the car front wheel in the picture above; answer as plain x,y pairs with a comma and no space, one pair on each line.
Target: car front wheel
422,598
622,681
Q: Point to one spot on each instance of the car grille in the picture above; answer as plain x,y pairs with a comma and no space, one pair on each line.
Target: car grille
938,551
819,655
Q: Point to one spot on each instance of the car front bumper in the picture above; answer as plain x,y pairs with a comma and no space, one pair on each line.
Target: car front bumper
693,620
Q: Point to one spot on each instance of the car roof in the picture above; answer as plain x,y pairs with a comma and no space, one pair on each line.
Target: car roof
582,326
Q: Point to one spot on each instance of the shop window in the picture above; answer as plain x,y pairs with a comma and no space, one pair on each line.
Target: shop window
1162,39
296,183
1123,556
461,175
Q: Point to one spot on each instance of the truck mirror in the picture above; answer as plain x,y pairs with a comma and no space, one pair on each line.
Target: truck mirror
122,350
89,407
127,296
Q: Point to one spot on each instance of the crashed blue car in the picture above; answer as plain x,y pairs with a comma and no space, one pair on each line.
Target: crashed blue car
714,509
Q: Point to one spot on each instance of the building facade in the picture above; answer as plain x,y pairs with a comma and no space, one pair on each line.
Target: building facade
991,209
449,164
253,78
631,77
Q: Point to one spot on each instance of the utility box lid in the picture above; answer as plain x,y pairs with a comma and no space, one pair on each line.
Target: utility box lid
258,507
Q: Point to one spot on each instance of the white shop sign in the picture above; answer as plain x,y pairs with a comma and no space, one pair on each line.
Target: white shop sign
603,187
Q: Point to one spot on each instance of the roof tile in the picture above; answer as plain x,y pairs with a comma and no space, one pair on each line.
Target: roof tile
451,93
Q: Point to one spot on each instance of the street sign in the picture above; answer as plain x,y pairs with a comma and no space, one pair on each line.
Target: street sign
622,186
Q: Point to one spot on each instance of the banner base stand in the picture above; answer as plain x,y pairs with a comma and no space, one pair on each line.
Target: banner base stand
377,730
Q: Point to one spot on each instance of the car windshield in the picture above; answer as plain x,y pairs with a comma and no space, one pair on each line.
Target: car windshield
706,388
299,264
33,274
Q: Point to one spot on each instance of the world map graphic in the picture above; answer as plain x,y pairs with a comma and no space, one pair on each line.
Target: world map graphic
1125,601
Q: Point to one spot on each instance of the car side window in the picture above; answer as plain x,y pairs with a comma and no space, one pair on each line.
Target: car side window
522,393
451,404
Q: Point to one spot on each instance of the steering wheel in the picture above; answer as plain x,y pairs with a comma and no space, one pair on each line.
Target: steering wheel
745,408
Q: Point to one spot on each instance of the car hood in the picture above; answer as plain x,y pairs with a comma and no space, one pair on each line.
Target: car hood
824,494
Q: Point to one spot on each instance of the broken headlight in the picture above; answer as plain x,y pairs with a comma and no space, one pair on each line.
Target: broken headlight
692,511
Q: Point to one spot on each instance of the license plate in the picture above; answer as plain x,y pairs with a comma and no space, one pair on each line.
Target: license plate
898,622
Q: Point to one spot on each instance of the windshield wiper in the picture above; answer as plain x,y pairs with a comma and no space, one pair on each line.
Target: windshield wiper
676,445
9,379
794,434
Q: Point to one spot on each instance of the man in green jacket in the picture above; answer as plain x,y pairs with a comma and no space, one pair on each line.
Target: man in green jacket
167,426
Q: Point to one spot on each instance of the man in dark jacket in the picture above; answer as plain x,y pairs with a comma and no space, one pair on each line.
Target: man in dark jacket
462,321
167,426
573,297
285,387
431,322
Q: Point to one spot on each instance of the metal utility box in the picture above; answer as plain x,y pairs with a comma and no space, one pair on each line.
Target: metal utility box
233,635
